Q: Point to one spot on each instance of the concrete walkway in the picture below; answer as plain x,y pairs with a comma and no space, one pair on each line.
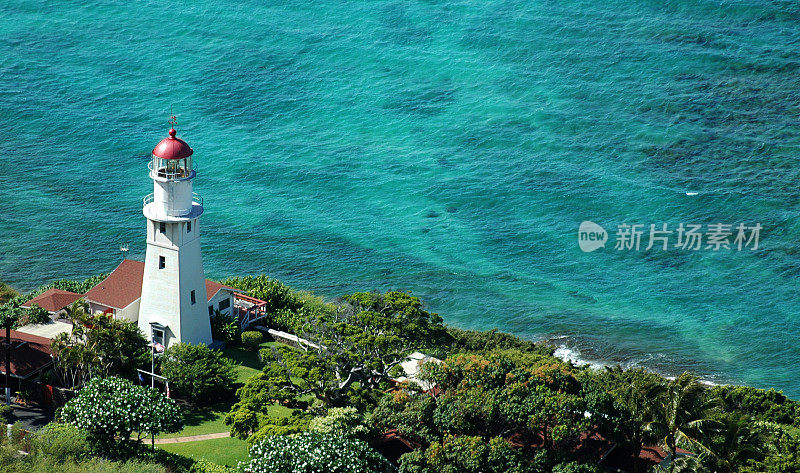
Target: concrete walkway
193,438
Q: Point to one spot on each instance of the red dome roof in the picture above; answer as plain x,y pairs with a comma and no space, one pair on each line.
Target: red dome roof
172,147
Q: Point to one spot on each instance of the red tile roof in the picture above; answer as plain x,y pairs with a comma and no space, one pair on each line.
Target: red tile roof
121,288
53,300
213,287
29,353
124,285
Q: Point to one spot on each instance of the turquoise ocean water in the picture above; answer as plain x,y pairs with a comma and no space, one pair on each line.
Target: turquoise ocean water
447,147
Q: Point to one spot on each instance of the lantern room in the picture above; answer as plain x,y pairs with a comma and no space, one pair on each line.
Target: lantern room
172,159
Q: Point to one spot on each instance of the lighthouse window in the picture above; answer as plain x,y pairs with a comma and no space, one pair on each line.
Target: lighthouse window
192,297
188,227
162,262
162,227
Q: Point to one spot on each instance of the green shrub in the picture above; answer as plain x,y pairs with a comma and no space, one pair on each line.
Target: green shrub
340,421
275,426
5,414
198,373
204,466
60,442
37,315
224,327
252,339
575,467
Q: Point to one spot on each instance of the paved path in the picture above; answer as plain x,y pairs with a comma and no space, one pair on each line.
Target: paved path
193,438
33,418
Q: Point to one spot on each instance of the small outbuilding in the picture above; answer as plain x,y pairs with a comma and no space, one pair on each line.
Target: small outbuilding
54,301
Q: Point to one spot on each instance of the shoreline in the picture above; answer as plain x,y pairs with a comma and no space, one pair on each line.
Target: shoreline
573,355
563,350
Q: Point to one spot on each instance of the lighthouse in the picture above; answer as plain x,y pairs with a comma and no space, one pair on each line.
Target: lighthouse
173,300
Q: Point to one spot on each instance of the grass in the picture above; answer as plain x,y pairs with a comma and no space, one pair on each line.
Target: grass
202,420
247,362
224,451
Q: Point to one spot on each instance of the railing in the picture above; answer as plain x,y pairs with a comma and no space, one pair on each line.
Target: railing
149,198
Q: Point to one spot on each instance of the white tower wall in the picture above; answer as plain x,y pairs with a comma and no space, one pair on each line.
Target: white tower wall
173,287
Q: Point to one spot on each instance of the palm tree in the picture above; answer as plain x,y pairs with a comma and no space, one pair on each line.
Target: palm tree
78,311
680,416
635,390
737,443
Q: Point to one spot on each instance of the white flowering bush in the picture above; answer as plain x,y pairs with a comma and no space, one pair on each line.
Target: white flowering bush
312,452
114,408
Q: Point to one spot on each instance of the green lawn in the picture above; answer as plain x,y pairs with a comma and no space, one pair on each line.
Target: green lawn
225,451
247,362
202,420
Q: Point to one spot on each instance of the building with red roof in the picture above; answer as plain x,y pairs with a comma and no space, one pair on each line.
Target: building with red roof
30,354
119,294
53,301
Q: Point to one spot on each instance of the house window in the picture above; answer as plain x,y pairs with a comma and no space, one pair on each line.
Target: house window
158,336
211,310
224,304
162,262
191,296
162,227
189,227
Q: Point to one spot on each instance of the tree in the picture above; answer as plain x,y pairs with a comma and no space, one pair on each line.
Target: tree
197,372
112,408
357,345
736,443
467,454
635,391
483,401
680,415
313,452
97,346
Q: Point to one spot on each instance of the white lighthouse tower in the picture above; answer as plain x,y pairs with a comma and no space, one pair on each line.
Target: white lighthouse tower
173,305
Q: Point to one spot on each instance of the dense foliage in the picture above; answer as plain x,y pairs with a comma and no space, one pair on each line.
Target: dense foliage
224,327
342,422
312,452
288,310
98,345
61,442
198,373
765,405
6,293
15,316
498,403
112,409
351,354
484,401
